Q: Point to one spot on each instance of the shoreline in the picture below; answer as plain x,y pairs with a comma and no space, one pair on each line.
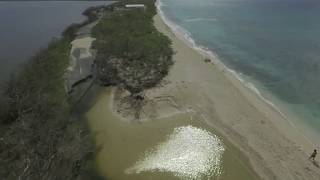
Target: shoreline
116,134
268,142
233,76
48,131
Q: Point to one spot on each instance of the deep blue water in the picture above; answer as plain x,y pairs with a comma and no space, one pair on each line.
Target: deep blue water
276,43
25,27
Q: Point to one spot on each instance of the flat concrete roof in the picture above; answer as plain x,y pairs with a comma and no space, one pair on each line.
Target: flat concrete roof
134,5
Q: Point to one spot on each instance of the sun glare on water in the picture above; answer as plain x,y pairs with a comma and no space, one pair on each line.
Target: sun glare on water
189,153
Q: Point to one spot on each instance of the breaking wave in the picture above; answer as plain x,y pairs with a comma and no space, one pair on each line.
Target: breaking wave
186,37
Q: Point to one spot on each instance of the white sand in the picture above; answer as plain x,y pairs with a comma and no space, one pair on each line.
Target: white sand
275,149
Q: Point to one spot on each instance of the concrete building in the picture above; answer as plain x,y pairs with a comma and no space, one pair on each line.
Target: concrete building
135,6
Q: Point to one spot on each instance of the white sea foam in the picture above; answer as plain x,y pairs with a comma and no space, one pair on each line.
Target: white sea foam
188,153
186,37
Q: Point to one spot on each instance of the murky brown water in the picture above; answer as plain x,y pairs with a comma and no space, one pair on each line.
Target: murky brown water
120,145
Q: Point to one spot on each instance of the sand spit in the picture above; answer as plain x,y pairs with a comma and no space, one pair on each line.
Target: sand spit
275,149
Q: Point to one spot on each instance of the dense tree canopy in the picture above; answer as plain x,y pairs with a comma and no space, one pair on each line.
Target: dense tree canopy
131,52
38,137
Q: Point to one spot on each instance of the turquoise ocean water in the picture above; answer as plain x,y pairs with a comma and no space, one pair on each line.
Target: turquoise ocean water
275,43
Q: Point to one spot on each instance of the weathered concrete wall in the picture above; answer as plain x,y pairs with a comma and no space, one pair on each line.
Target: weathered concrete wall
81,58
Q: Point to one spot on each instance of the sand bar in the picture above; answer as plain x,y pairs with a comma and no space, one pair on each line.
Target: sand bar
274,147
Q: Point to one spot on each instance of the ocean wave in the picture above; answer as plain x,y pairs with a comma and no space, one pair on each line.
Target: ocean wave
186,37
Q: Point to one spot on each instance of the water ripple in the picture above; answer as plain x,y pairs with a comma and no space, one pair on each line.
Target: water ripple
189,153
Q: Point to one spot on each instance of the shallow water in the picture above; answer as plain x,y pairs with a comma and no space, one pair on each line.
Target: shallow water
178,147
275,43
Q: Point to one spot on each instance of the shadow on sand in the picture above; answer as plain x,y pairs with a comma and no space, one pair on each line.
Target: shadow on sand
315,163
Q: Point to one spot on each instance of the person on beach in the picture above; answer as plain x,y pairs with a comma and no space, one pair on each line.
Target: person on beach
313,155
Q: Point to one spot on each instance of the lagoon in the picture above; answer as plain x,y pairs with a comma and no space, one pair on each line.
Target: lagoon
181,146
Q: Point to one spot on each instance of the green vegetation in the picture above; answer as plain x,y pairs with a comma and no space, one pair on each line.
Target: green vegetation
40,83
131,52
92,14
39,138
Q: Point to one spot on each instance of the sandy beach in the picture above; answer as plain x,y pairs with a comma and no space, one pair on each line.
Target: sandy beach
275,149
